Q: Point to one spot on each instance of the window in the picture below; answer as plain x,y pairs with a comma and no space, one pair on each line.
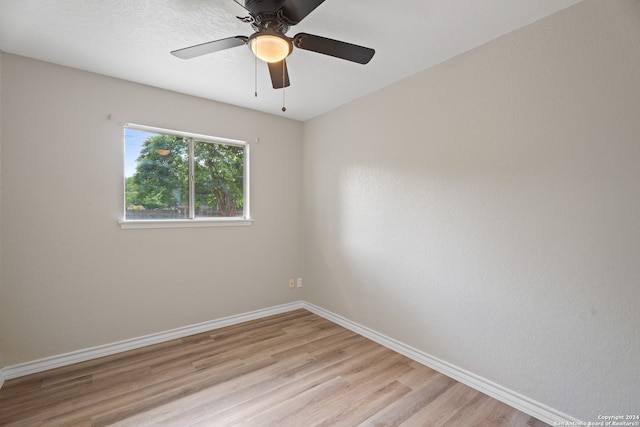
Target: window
174,178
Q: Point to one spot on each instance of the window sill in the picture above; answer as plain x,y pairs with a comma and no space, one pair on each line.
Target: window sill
184,223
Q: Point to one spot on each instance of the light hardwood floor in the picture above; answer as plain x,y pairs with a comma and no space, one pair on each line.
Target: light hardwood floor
293,369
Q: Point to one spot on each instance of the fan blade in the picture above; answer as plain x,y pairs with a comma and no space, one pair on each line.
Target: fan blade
296,10
279,74
209,47
342,50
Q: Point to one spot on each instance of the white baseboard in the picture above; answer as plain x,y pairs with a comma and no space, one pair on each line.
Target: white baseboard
52,362
510,397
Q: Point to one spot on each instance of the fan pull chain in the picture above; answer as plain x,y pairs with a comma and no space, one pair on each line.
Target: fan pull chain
284,71
255,76
283,107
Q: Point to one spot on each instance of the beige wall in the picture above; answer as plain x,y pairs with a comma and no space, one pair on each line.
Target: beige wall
486,211
2,297
72,278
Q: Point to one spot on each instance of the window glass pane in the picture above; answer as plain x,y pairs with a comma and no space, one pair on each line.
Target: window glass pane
219,180
157,171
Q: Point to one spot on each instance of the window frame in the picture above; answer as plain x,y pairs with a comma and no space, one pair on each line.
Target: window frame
192,221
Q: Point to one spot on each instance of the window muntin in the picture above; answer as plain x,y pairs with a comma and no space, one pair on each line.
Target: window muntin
173,175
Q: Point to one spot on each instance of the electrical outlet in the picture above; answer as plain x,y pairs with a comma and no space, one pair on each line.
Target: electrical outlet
299,282
291,283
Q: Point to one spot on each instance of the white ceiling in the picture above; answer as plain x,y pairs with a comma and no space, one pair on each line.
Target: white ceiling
132,40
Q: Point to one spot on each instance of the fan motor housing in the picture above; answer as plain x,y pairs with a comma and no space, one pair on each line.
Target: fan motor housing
257,7
270,21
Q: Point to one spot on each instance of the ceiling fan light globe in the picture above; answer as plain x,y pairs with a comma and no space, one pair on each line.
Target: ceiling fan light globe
270,47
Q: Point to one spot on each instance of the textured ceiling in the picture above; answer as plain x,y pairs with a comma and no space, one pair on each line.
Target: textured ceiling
132,40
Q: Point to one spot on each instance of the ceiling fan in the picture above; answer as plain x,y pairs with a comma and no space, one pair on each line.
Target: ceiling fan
271,19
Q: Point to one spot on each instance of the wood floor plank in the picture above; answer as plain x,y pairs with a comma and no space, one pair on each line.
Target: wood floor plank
369,405
285,411
397,412
190,409
439,411
287,387
290,369
481,411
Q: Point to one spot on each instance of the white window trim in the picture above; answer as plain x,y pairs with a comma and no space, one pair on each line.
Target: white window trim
196,222
183,223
